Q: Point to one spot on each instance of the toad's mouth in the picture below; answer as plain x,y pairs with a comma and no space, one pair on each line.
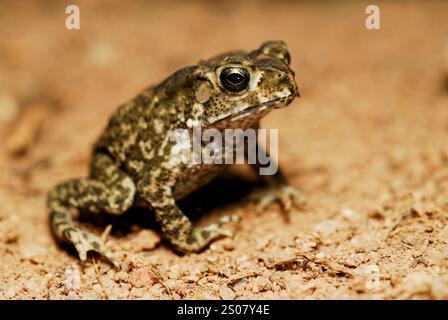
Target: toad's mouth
276,103
257,109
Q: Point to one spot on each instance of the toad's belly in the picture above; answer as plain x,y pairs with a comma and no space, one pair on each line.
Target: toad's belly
194,178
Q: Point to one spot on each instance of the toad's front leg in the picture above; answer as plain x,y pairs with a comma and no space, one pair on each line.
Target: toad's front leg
176,227
276,189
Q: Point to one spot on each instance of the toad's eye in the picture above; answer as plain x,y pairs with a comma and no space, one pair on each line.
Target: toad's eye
234,78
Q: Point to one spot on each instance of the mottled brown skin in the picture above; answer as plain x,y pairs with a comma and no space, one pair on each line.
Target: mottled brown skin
132,164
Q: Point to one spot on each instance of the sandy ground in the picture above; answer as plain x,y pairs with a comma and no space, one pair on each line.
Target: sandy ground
366,143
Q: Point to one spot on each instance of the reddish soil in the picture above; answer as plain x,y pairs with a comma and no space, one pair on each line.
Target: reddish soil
366,142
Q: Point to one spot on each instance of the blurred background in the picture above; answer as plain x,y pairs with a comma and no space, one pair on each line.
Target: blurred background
370,128
343,69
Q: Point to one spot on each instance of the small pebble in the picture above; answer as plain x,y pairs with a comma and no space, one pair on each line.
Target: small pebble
226,293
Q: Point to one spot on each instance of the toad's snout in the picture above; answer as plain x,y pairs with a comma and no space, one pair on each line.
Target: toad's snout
293,89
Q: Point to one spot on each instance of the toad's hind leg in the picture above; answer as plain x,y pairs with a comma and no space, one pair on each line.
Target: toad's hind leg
108,189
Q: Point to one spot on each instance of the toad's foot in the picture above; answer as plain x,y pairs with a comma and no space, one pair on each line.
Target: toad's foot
286,195
216,228
85,242
198,238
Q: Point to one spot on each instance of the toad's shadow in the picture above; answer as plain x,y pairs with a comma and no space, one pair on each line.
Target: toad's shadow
224,191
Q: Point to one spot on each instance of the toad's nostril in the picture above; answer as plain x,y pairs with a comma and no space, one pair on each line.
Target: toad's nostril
281,75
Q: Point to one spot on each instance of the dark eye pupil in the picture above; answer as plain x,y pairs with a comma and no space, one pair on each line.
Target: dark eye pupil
234,78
